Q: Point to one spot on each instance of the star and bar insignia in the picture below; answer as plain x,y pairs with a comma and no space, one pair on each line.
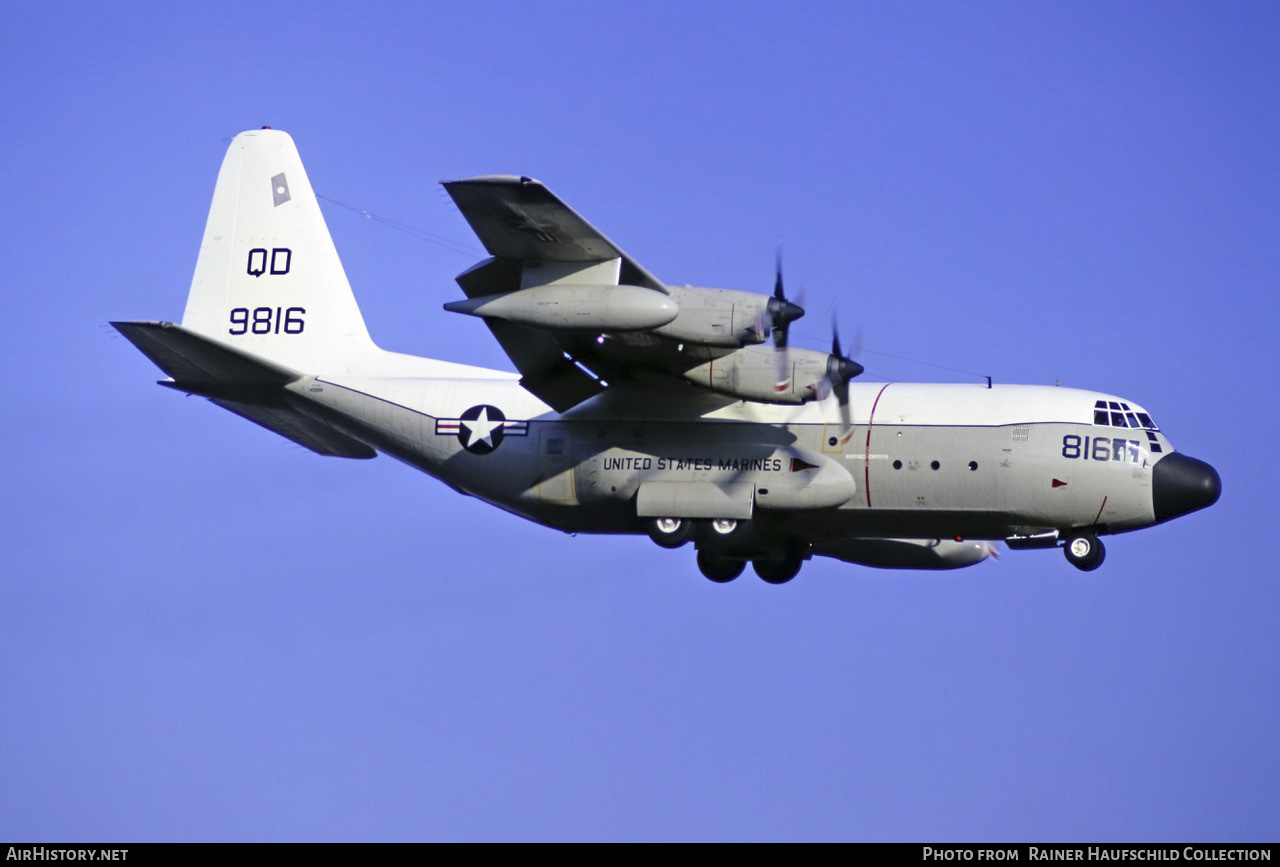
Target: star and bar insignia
481,429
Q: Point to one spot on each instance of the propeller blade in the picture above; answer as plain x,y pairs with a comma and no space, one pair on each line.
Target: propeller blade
779,313
839,371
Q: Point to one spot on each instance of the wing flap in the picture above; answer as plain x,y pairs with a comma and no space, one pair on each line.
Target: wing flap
544,370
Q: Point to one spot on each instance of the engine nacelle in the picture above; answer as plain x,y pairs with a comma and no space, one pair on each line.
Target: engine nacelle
717,317
751,373
905,553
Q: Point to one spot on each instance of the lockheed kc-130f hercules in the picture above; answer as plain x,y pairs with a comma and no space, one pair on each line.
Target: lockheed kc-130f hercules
644,407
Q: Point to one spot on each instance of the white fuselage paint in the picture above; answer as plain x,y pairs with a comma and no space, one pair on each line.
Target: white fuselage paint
926,460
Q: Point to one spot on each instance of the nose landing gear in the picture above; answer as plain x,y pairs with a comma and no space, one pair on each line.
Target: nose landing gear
1084,551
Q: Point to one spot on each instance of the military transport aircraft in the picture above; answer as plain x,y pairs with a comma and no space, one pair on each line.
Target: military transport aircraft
644,407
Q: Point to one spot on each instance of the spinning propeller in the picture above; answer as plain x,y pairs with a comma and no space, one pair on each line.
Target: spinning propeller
779,313
839,371
776,319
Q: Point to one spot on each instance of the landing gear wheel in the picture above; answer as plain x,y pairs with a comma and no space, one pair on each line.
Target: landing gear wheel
1084,551
777,571
719,569
670,532
723,531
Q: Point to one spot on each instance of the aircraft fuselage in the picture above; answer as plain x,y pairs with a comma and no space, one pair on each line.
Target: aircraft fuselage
922,460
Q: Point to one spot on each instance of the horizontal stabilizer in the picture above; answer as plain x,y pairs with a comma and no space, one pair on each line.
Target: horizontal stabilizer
248,386
200,365
302,429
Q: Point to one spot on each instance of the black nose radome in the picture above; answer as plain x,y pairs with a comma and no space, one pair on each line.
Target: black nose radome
1181,484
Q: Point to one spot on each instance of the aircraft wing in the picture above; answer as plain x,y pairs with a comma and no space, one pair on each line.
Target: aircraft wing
575,314
522,224
518,218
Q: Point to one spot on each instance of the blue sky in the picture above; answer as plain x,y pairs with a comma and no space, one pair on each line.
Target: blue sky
207,633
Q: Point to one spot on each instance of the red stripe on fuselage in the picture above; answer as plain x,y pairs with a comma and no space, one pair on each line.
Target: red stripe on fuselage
866,455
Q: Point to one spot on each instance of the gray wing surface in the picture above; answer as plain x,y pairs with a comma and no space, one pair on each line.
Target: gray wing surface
535,239
518,218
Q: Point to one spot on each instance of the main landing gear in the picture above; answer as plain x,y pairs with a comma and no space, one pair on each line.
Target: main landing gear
778,571
725,545
719,568
670,532
1084,551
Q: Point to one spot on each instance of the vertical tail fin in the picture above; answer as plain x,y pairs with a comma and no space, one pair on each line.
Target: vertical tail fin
268,279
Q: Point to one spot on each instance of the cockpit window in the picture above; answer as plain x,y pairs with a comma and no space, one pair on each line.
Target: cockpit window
1113,413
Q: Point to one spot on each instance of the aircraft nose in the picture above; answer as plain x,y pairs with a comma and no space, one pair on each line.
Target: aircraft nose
1180,484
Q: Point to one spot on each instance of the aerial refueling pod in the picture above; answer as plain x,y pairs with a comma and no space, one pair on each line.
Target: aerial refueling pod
905,553
576,306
